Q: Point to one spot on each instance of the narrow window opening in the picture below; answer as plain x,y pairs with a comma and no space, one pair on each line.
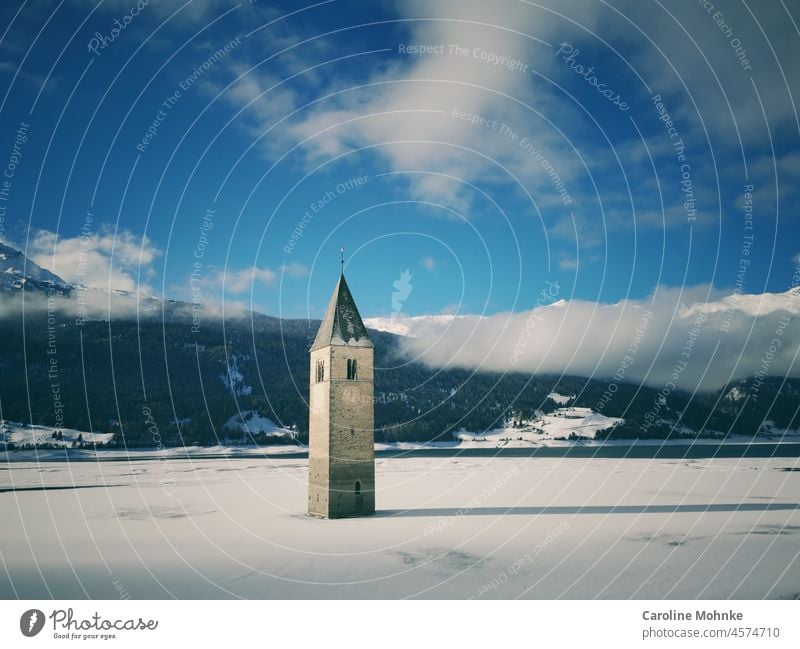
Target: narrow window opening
358,487
352,369
320,371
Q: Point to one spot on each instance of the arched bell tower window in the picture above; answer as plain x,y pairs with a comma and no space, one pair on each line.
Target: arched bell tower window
358,487
352,369
320,371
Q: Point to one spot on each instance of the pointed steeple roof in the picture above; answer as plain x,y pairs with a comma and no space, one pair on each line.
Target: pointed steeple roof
342,324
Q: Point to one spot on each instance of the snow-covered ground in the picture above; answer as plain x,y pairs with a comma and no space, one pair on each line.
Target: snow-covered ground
447,527
251,422
76,441
564,427
560,399
562,424
20,434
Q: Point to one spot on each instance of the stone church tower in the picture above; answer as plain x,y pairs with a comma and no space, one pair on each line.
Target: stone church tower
341,457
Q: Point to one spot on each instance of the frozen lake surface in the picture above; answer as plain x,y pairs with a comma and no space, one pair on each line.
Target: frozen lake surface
454,527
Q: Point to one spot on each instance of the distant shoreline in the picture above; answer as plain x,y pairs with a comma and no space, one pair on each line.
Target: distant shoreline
653,449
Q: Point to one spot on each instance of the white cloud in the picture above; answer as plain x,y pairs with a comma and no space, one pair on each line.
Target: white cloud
428,263
707,76
721,338
405,108
102,259
124,261
242,280
295,270
227,290
567,263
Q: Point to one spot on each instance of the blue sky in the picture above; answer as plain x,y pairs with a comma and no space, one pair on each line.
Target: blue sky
309,98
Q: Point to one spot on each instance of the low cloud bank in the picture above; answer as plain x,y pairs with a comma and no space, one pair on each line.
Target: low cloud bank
86,304
685,339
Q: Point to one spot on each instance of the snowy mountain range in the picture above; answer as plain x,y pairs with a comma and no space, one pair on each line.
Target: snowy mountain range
248,376
405,325
18,273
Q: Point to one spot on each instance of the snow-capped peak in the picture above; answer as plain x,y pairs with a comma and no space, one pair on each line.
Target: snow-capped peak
16,269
